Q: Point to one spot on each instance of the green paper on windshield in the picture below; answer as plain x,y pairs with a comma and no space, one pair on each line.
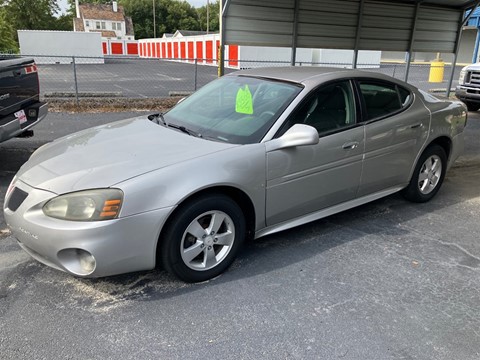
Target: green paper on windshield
244,102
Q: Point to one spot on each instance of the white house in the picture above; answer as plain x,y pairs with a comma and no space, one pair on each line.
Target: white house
108,19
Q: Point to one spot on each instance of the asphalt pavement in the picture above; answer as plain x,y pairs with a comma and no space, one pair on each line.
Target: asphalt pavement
130,78
387,280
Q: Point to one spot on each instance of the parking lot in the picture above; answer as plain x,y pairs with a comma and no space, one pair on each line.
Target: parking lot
131,78
153,78
387,280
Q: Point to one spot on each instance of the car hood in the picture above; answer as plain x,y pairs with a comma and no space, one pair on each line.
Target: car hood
106,155
471,67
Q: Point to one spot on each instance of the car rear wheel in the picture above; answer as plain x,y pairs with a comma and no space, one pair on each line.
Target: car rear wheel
428,175
203,238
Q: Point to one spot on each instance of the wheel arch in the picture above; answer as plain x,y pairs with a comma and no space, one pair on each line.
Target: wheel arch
237,195
439,147
445,142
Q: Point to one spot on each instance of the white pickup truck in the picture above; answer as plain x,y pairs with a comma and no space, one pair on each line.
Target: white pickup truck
468,89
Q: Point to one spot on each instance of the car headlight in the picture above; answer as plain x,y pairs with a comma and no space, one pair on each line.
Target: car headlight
461,79
89,205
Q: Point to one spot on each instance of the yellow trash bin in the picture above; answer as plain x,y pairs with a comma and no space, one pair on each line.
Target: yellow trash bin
436,71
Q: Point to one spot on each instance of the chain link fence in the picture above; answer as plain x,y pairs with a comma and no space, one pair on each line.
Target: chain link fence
120,77
140,78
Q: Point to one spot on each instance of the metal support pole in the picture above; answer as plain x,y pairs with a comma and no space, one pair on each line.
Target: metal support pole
224,4
75,79
408,60
450,80
357,35
477,43
454,62
295,32
195,79
412,39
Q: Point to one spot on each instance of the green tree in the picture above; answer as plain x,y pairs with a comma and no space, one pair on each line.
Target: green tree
141,12
170,15
213,13
28,15
7,33
32,15
63,22
180,16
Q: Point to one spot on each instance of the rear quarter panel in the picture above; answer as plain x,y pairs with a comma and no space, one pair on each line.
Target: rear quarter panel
448,119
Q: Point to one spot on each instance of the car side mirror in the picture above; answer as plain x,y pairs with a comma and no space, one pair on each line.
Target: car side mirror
297,135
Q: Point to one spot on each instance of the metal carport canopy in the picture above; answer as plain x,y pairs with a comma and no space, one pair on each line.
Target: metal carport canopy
427,26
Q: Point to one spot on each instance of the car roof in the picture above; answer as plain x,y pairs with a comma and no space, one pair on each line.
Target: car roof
311,74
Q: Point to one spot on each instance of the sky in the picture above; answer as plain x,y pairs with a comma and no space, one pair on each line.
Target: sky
197,3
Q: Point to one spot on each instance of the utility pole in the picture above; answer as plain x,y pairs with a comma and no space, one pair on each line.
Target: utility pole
208,16
154,27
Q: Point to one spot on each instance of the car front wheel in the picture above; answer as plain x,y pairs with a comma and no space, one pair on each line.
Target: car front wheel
428,175
203,238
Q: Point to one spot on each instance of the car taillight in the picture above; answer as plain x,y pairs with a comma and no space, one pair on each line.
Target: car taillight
31,69
35,69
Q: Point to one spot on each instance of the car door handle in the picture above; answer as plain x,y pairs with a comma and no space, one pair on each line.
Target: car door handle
416,126
350,145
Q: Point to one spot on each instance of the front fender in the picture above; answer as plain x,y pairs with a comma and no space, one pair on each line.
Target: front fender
241,167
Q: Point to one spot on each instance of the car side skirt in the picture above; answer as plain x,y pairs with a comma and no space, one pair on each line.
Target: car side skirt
326,212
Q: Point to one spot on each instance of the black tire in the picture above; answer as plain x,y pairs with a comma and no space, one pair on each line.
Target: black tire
419,190
175,241
472,106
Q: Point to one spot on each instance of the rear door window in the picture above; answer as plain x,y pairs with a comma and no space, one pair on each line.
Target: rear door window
383,99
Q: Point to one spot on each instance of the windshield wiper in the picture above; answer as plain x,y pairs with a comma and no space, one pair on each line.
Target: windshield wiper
185,130
159,119
156,118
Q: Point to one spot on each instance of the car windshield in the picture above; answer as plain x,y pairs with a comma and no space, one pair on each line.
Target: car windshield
234,109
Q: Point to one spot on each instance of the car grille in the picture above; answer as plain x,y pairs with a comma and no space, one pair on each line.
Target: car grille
16,199
473,78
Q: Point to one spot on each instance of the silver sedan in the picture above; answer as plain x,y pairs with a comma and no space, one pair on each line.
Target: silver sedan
249,154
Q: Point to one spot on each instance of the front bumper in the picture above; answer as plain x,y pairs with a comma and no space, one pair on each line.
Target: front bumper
467,94
118,246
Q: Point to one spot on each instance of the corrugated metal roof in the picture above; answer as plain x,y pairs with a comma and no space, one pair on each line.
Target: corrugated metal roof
337,24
